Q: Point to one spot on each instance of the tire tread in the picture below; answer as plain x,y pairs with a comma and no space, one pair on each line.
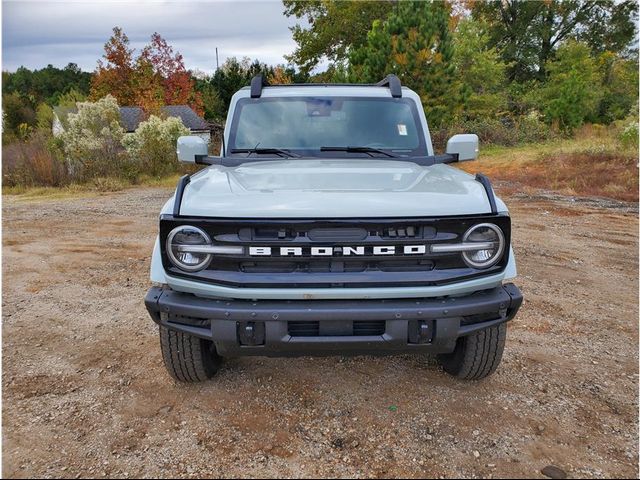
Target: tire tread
478,355
187,358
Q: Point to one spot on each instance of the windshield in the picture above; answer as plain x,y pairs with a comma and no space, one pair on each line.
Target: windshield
305,125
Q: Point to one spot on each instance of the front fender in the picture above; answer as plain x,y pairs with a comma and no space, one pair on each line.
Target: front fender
510,271
157,270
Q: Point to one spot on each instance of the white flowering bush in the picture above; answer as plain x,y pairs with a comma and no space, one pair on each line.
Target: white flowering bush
153,145
93,140
629,135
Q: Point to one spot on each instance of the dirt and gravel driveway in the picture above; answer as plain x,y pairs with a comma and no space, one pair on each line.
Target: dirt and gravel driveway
85,392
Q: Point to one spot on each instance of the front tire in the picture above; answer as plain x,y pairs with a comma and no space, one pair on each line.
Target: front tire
476,356
188,358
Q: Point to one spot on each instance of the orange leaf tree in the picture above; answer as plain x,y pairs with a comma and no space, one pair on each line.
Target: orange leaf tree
155,78
115,71
178,85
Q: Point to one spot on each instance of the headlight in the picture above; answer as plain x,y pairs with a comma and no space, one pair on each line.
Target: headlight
182,248
482,246
189,248
489,245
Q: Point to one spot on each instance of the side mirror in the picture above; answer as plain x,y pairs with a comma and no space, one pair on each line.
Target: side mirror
190,147
463,145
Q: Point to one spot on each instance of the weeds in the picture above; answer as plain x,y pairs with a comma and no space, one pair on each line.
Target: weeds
33,162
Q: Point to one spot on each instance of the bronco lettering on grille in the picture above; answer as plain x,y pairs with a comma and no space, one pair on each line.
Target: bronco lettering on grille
378,250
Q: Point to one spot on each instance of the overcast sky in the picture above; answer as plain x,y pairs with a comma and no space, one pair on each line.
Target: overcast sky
36,33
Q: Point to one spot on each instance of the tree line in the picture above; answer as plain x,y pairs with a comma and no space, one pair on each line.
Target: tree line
154,77
570,62
511,71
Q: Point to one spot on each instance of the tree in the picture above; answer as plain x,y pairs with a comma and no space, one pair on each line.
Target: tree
334,28
415,44
155,78
177,83
115,73
573,91
612,28
232,76
481,71
47,84
214,108
44,118
153,144
92,141
150,94
71,98
527,33
18,116
279,76
619,87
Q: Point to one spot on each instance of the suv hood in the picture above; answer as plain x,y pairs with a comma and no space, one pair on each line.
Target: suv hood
334,188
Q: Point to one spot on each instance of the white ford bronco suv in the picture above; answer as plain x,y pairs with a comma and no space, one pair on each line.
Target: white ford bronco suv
328,225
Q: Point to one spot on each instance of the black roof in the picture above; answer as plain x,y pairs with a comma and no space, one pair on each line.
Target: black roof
132,116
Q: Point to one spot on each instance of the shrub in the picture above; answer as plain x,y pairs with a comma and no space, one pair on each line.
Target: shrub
36,162
629,135
503,131
44,117
531,129
572,93
107,184
153,145
18,116
92,142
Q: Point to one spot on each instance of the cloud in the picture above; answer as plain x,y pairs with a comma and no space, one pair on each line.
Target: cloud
37,33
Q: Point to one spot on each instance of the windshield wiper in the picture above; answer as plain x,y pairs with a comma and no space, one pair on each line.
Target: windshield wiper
275,151
368,150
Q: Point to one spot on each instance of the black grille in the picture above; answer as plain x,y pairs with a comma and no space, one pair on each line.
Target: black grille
358,328
326,266
364,327
304,329
335,269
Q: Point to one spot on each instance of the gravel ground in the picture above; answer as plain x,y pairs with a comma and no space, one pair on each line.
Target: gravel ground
85,392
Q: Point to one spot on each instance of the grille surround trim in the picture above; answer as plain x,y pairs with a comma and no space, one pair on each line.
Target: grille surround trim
339,271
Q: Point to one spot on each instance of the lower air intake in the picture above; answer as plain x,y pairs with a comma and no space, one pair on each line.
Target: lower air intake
359,328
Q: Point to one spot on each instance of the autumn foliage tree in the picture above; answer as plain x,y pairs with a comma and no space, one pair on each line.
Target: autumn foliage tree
177,84
279,76
115,72
149,91
154,78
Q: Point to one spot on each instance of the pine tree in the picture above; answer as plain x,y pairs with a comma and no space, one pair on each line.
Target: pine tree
414,43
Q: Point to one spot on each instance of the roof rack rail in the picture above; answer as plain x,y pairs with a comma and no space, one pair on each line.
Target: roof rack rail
391,81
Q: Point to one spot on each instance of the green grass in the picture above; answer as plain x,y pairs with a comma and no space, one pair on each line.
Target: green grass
53,193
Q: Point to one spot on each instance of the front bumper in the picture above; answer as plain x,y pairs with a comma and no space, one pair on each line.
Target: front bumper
326,327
